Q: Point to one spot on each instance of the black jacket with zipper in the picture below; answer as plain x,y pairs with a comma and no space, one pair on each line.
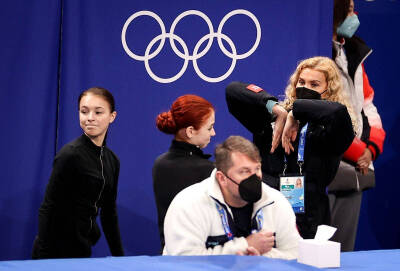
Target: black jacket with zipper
328,135
83,182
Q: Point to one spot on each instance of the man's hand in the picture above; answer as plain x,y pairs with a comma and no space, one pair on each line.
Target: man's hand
280,121
289,132
250,251
364,161
262,241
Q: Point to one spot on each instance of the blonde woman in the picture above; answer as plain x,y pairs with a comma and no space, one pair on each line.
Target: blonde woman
322,68
315,108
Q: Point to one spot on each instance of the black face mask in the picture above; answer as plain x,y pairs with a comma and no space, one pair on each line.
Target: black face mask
249,188
306,93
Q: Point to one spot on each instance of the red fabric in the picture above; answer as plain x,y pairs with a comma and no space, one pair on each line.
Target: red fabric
355,150
254,88
377,136
368,90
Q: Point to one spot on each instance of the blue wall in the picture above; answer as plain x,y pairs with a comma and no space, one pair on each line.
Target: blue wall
379,225
28,106
52,50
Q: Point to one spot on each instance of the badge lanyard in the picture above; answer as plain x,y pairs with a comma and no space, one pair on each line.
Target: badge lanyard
259,219
224,219
302,144
225,224
288,184
300,152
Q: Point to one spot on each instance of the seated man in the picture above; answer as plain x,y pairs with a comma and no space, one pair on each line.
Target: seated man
232,211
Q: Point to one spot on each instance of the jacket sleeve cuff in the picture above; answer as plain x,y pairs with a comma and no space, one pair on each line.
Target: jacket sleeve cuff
373,151
270,104
377,137
248,104
355,150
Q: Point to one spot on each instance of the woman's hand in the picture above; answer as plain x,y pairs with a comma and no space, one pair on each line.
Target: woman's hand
289,132
364,161
281,115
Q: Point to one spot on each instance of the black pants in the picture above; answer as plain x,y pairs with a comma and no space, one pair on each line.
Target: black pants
345,211
316,213
60,249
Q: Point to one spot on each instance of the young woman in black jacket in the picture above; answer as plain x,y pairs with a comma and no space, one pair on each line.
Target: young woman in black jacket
313,96
191,121
83,182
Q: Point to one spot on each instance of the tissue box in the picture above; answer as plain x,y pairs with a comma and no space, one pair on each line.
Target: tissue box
319,253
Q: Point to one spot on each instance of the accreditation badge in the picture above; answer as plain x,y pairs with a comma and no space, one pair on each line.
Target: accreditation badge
292,187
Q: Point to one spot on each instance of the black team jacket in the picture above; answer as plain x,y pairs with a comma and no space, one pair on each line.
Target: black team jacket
83,182
329,134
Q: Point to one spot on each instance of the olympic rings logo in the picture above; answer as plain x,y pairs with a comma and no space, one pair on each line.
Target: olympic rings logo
196,54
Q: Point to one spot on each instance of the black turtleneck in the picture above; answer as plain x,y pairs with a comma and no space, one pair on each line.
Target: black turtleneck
183,165
242,220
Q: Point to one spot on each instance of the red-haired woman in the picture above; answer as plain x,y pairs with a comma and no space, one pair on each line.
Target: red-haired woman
191,121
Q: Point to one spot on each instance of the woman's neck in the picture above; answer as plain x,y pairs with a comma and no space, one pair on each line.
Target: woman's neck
97,140
181,136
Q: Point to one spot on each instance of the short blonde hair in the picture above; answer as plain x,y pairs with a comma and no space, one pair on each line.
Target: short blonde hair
334,90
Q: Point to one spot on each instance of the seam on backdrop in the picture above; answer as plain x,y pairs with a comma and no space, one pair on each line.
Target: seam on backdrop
59,73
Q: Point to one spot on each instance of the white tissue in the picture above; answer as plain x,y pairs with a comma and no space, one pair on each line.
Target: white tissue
320,252
324,233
